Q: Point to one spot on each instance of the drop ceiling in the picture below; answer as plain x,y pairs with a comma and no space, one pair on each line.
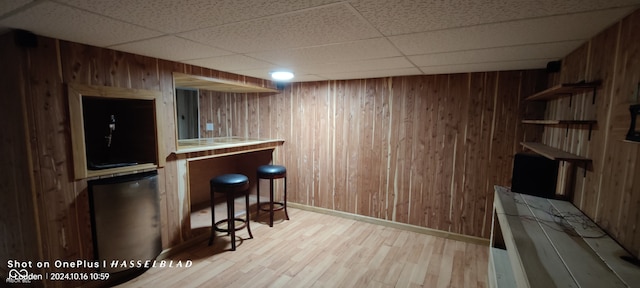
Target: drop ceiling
327,39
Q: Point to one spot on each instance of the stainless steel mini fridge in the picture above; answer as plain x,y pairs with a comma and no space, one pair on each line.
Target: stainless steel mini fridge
125,219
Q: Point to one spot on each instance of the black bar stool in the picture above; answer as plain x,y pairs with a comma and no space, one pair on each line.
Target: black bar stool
272,172
231,185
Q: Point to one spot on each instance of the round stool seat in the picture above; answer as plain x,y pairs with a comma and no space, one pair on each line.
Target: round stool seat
272,171
230,183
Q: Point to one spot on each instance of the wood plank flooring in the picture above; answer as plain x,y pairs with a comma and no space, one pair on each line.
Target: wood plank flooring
319,250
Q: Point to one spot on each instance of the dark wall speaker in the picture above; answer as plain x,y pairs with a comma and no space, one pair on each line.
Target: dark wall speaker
534,175
554,66
25,39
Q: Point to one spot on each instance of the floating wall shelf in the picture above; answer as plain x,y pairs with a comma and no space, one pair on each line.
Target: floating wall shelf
556,154
565,89
220,85
563,122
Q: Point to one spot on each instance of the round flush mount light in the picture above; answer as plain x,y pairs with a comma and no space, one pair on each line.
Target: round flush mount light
282,75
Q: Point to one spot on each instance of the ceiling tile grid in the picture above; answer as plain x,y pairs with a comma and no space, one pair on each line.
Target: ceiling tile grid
346,51
230,63
171,48
372,73
410,16
354,66
324,25
63,22
530,31
327,39
9,6
171,16
500,54
484,67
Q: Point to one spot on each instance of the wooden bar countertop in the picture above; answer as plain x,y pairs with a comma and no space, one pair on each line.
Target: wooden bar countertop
225,145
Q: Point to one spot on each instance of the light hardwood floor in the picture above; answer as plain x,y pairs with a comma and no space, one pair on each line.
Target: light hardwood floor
319,250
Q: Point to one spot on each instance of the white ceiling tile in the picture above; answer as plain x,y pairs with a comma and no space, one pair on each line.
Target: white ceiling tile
309,78
318,26
265,72
173,16
410,16
531,31
10,5
499,54
321,39
171,48
230,63
350,51
373,73
482,67
364,65
59,21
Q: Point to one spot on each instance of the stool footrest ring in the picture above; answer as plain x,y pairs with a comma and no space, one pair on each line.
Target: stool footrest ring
237,227
268,205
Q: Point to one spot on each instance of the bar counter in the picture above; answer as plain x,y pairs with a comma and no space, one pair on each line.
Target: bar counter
197,160
225,145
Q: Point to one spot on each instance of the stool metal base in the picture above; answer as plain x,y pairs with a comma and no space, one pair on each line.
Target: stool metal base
230,194
272,203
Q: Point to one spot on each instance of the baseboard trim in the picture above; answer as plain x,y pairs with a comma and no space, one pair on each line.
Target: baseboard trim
387,223
166,253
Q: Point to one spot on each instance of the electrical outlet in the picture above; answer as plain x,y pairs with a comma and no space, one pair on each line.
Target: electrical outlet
209,127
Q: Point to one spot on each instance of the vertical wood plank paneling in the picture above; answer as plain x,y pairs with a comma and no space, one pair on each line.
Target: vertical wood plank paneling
459,94
205,112
367,189
395,161
383,120
323,147
143,72
61,215
609,192
169,216
422,116
462,199
340,138
487,87
428,157
614,210
19,223
629,94
601,67
440,197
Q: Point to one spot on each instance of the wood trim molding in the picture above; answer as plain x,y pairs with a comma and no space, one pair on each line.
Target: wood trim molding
75,92
397,225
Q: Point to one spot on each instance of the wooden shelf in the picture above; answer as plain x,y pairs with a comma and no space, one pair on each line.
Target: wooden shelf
214,84
554,153
560,122
562,90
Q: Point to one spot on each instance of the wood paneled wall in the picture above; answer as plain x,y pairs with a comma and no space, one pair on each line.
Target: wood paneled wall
48,216
610,191
18,219
422,150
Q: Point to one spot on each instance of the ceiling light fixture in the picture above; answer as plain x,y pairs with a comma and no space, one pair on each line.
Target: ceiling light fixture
282,75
